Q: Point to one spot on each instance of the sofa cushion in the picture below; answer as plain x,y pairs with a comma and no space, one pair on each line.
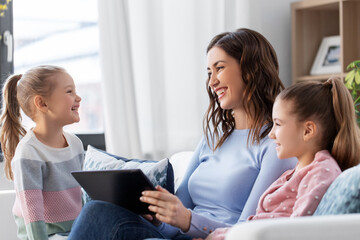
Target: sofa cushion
159,172
343,195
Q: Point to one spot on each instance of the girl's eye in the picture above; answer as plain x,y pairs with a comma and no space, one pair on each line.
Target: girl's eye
277,124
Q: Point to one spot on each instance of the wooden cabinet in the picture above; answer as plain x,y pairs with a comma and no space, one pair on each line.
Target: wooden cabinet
312,20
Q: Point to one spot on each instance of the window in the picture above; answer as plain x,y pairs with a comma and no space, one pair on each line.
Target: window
6,30
64,33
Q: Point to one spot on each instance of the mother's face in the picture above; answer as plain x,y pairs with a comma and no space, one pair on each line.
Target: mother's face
225,79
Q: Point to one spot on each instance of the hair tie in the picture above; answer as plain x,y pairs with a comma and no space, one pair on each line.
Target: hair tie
328,83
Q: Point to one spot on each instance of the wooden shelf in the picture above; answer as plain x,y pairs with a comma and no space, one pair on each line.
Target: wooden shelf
322,77
312,20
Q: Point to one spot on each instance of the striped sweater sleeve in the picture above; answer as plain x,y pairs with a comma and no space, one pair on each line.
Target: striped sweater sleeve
48,198
29,205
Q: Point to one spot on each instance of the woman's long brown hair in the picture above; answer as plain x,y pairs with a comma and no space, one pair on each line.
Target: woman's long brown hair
260,73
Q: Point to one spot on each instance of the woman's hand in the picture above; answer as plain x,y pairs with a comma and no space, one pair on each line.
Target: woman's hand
151,218
218,234
167,208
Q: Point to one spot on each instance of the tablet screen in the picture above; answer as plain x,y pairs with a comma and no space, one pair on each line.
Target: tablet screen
121,187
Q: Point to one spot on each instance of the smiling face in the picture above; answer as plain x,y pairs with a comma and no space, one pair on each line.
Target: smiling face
63,103
287,131
225,79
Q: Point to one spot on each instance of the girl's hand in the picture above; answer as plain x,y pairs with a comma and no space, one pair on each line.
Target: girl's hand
167,208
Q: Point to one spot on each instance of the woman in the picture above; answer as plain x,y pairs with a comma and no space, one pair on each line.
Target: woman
233,164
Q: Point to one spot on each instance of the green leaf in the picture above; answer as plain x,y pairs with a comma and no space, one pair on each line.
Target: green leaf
357,77
350,75
350,66
352,82
357,100
357,63
354,64
353,94
349,79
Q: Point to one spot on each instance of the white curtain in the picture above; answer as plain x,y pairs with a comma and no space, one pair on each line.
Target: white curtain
121,128
153,56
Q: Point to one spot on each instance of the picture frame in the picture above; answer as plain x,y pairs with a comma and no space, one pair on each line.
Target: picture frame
328,57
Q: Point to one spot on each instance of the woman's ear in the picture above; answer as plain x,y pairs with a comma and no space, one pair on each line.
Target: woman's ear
40,103
310,130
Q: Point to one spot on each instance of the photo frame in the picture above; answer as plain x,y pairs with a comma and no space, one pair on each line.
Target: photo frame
328,57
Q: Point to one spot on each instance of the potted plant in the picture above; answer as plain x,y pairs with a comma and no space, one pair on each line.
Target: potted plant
352,82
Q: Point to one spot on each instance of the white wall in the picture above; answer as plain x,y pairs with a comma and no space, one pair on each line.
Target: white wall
273,20
5,184
270,18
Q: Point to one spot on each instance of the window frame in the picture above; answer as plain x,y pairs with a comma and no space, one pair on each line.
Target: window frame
7,68
6,23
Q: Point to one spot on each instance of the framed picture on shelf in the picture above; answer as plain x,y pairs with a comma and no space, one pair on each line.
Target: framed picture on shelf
328,57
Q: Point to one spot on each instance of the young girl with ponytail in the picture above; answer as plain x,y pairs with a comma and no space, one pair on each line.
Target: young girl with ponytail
314,122
40,160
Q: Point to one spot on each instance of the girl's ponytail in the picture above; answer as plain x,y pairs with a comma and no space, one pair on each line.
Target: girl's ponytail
346,146
11,128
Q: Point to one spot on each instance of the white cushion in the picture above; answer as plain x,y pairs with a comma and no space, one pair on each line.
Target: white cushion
180,162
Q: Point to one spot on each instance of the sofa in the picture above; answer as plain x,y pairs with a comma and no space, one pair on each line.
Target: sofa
338,215
8,227
7,198
333,227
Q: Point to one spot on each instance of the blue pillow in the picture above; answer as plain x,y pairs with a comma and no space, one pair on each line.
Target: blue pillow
343,195
159,172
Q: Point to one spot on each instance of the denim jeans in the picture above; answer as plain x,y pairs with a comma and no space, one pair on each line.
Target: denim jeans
100,220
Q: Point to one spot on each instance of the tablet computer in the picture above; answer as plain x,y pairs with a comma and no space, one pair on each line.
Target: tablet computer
121,187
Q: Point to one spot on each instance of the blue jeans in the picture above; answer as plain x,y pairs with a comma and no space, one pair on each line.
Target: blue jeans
105,221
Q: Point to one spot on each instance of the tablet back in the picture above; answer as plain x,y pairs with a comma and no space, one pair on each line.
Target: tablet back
121,187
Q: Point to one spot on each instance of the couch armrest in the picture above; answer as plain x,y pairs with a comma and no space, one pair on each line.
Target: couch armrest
8,227
334,227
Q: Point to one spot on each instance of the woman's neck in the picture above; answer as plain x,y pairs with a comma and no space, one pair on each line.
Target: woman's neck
241,120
